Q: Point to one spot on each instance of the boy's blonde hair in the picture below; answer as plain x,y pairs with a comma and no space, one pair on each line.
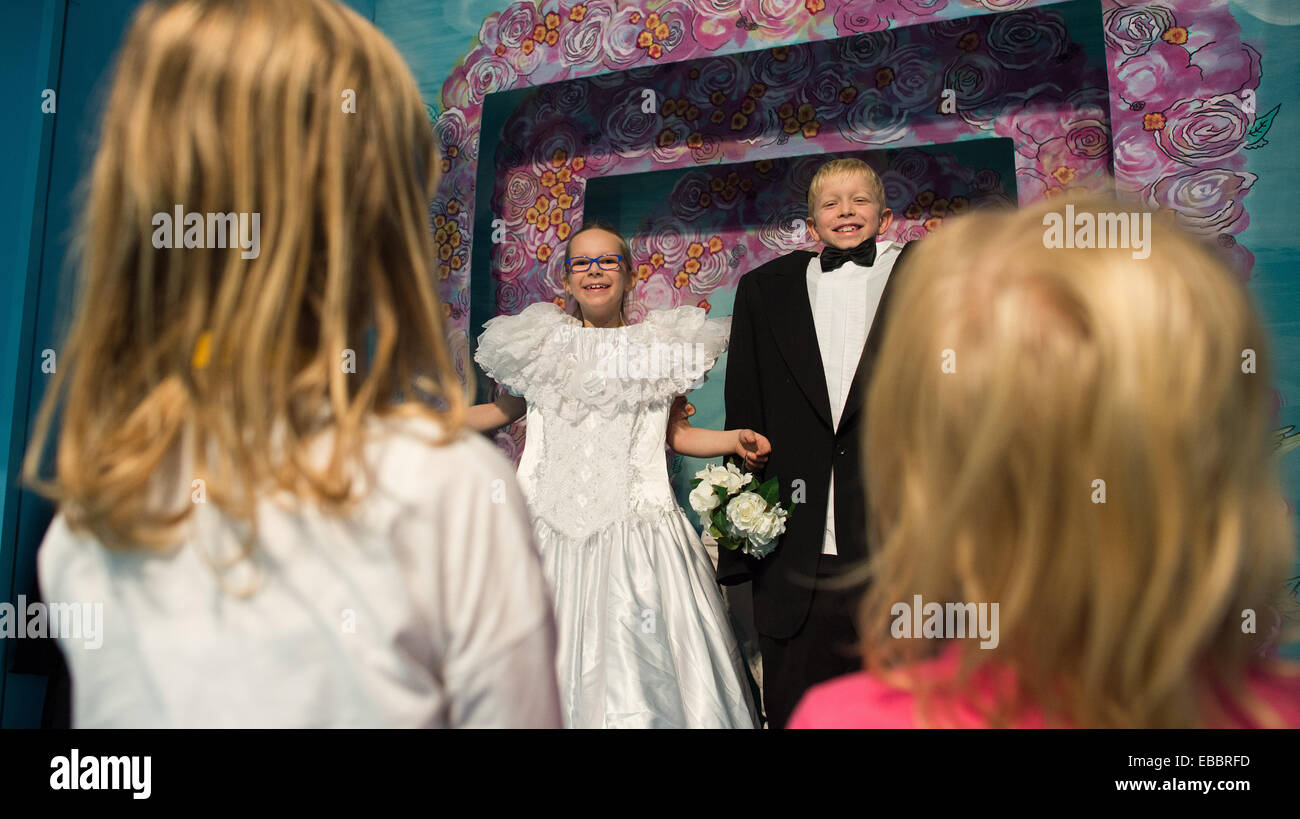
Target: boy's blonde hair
839,167
1012,382
241,364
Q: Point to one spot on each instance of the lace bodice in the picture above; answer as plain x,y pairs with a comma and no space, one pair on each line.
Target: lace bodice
598,403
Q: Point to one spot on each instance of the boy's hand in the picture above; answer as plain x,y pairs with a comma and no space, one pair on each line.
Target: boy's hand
753,448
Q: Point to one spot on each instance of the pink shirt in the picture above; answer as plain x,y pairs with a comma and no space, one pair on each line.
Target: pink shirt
861,701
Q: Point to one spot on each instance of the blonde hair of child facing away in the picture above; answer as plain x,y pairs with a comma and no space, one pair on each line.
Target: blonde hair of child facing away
238,107
842,167
1014,378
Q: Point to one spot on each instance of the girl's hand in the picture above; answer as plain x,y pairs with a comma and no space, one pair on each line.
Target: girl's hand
753,448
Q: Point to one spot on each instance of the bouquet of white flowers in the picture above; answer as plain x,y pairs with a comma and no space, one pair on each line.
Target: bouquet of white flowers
737,510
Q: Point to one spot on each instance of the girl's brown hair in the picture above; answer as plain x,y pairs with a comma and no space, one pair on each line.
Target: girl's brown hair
1073,435
302,112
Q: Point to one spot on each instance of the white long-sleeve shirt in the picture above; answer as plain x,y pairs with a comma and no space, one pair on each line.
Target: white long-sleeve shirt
427,607
844,304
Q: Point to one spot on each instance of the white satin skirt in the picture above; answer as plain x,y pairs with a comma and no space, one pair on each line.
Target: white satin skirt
645,640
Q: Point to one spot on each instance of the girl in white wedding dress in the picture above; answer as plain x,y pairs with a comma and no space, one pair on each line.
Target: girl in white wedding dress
644,639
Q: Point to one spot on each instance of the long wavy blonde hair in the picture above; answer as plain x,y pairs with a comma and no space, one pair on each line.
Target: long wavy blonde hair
242,364
1012,379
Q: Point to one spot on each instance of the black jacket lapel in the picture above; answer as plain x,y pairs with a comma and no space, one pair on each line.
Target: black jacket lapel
791,320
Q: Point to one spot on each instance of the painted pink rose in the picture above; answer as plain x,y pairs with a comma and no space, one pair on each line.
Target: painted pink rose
1198,131
516,24
1138,160
580,42
854,17
1132,30
1088,139
714,24
1158,78
1207,202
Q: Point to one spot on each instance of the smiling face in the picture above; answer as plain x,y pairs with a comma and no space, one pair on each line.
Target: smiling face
599,292
847,210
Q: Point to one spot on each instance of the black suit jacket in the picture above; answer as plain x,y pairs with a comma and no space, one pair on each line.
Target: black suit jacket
776,385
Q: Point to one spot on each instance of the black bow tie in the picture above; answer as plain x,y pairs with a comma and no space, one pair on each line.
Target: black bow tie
864,254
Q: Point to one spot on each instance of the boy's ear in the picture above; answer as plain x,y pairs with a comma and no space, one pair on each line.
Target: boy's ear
812,228
886,219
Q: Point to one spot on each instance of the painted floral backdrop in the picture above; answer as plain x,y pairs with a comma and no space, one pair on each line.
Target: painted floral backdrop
1159,93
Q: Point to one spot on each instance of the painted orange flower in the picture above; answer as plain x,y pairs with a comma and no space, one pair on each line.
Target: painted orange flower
807,113
557,216
446,165
543,204
454,239
717,98
652,20
692,266
661,31
453,207
739,121
543,253
790,125
559,302
558,158
733,178
557,190
969,41
444,252
636,17
453,152
695,250
756,90
577,13
657,259
681,279
692,113
548,178
939,207
1153,122
695,141
786,110
644,39
814,6
539,32
444,271
552,20
1177,35
564,175
925,198
932,223
748,106
781,52
643,271
810,129
578,162
884,77
1064,174
913,211
958,204
670,108
716,184
746,184
655,51
563,231
666,138
500,50
455,263
763,165
715,244
439,220
848,94
531,215
527,46
552,37
565,201
729,193
704,304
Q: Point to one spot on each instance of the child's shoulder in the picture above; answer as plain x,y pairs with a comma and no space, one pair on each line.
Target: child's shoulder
795,260
410,457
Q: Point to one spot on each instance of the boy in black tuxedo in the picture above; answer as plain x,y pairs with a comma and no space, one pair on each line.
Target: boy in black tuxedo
805,329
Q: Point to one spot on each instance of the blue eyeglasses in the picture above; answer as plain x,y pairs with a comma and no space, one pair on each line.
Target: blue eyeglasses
606,261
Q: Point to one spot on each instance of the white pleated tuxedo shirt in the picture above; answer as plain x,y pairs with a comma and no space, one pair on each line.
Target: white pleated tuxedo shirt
844,303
